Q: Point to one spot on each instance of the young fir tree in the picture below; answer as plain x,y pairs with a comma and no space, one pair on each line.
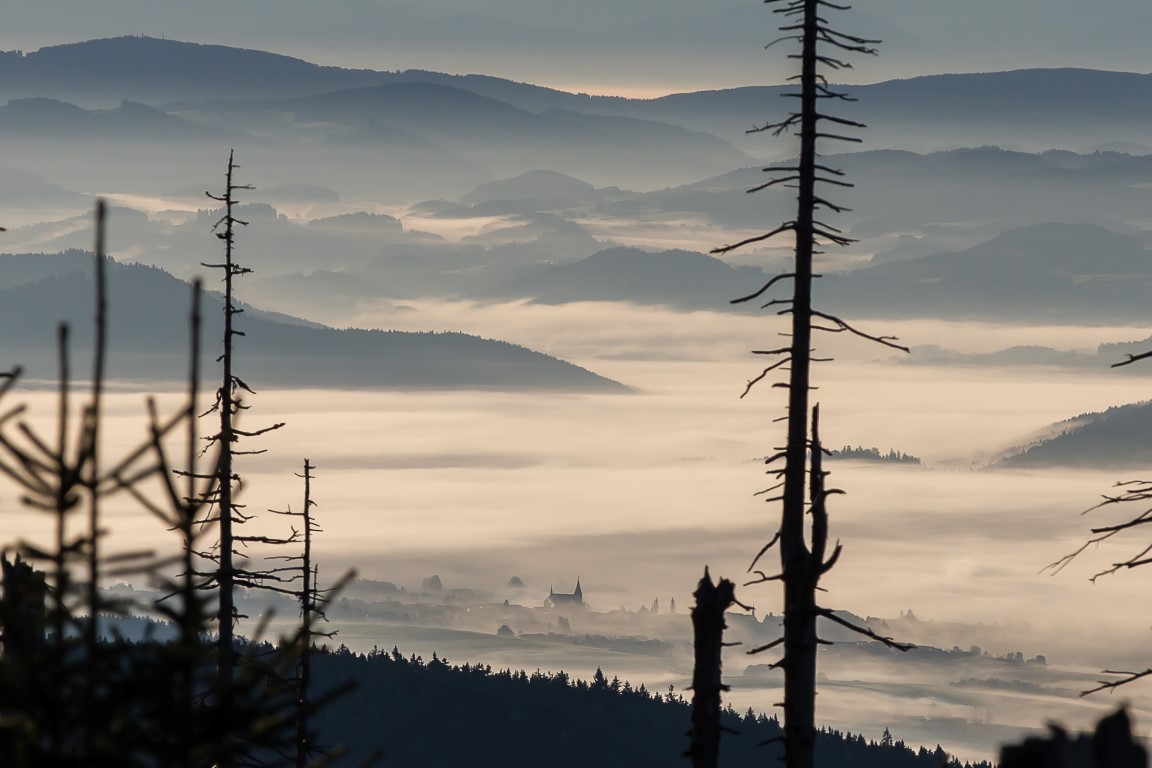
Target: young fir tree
71,693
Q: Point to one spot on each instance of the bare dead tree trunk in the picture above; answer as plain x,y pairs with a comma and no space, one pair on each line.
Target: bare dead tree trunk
312,601
795,559
708,626
307,606
226,615
803,543
228,404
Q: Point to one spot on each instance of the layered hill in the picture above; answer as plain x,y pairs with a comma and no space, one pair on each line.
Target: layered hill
149,337
96,72
1028,108
967,191
47,119
675,278
1043,273
1116,438
418,133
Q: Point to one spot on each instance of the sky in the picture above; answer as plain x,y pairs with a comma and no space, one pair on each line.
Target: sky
626,47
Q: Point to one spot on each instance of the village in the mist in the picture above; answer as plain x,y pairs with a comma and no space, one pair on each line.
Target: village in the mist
548,381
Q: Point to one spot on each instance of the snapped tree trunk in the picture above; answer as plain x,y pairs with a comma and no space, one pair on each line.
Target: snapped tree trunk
708,626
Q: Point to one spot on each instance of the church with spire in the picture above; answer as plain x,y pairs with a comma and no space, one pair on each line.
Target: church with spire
575,599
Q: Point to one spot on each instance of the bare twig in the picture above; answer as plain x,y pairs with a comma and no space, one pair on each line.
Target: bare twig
893,644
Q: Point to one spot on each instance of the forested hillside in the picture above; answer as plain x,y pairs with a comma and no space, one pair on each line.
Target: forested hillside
433,714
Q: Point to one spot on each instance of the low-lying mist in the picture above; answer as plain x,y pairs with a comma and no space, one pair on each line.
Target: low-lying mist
635,493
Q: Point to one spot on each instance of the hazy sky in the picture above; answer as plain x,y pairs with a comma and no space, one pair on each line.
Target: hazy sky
623,46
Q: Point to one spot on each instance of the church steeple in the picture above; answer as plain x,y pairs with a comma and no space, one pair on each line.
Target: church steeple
558,599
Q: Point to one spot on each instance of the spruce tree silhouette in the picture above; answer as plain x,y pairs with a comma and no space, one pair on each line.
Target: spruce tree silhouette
71,692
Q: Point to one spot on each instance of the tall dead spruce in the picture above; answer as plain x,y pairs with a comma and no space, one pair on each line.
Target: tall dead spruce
228,406
312,601
803,543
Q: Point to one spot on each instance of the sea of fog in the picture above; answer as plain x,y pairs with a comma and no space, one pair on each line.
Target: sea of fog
637,493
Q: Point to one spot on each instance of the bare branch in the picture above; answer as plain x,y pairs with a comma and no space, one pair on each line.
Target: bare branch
1112,685
1132,359
764,373
791,225
762,648
888,341
763,551
865,631
764,288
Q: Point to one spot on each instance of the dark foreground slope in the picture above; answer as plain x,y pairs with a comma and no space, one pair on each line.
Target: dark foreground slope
148,333
435,715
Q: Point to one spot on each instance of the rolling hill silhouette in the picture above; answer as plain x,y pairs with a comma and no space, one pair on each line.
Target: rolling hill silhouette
148,332
1116,438
1046,272
485,129
22,189
542,186
151,69
43,118
148,69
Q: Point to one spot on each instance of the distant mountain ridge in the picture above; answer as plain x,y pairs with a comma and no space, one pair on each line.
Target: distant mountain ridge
348,118
24,189
674,278
1028,106
43,118
148,68
1046,272
540,186
962,109
75,69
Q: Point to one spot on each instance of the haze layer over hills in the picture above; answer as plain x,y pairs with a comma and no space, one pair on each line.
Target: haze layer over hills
385,197
424,201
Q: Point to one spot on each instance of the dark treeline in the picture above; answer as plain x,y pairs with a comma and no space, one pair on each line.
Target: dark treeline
873,454
433,713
